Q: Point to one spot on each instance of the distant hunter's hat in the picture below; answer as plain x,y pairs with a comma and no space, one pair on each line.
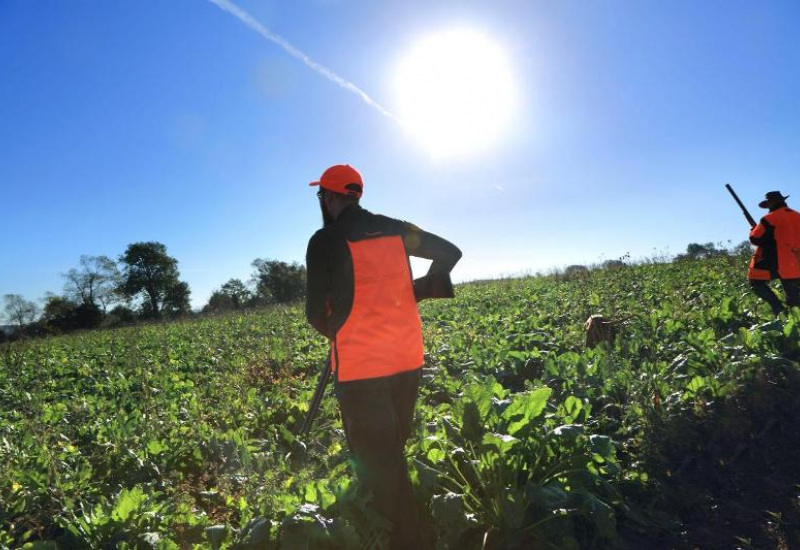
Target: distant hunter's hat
343,179
772,197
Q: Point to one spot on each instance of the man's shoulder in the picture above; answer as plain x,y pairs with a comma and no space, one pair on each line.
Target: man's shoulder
794,217
390,222
782,213
320,236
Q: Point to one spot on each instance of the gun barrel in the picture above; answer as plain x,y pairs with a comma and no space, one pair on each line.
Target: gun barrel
747,215
313,408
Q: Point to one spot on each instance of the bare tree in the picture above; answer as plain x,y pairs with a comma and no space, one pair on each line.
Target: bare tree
95,282
18,310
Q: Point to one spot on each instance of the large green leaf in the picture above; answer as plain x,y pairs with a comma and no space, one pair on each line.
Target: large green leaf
472,424
525,408
449,508
127,502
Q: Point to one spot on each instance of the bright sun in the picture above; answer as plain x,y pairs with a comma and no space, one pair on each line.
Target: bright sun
455,92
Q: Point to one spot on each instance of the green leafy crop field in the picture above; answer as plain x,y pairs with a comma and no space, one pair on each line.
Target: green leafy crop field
683,433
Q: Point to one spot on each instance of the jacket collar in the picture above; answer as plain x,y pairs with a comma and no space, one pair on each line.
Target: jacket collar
350,212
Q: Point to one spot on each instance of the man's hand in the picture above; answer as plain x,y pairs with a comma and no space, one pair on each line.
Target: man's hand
433,285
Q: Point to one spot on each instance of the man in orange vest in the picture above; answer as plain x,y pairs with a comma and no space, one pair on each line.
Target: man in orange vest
361,296
777,237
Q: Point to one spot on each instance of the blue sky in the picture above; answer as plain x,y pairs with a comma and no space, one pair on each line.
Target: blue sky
142,120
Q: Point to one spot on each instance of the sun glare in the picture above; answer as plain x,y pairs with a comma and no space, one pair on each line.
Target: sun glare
454,91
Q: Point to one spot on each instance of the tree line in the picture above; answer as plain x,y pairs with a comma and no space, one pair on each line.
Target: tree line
143,284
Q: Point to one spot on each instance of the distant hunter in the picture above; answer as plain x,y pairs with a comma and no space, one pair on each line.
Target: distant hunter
777,237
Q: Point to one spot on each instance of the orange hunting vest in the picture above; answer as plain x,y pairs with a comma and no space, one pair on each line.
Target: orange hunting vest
786,224
756,273
382,335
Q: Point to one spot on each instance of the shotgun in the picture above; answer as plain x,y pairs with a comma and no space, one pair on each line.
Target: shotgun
742,206
313,408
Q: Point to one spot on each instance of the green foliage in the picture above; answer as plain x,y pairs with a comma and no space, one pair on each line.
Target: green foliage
695,251
119,316
148,271
182,435
62,315
233,295
279,282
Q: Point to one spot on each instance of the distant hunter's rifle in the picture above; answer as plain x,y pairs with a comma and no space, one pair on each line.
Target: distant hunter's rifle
313,408
742,206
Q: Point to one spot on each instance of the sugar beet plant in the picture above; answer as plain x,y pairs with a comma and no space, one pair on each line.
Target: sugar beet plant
513,475
183,435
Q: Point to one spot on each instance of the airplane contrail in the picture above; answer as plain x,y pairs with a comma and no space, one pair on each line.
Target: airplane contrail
254,24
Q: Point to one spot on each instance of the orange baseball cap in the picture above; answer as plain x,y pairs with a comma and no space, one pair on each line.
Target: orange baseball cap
343,179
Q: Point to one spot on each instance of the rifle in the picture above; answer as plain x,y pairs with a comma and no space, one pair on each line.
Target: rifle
742,206
313,408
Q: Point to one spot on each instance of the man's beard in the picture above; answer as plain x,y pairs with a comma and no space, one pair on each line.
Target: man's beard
327,219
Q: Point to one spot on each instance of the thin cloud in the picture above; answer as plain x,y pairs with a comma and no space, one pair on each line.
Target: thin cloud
250,21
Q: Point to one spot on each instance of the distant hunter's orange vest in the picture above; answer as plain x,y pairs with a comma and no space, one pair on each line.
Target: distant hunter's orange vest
382,335
755,273
786,224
